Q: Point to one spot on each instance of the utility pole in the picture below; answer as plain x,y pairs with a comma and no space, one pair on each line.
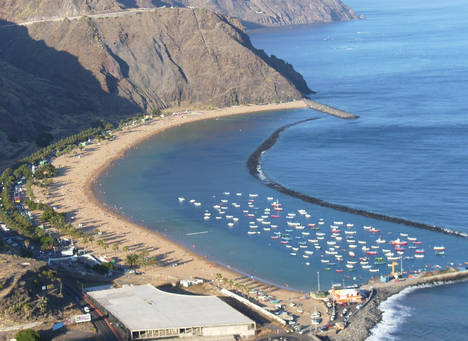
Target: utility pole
318,280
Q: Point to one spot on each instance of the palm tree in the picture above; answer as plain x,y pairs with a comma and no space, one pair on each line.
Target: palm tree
125,248
131,259
115,247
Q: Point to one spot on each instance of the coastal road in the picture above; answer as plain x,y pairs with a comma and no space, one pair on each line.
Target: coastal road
104,331
78,17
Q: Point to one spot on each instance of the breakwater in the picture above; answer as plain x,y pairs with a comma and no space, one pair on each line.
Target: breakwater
328,109
254,167
365,319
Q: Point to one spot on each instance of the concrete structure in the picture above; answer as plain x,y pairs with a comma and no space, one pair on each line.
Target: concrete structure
346,295
148,313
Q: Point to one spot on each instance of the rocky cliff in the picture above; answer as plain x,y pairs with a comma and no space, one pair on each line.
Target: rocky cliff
57,77
258,12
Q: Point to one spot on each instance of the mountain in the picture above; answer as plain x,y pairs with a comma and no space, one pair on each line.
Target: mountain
57,77
257,12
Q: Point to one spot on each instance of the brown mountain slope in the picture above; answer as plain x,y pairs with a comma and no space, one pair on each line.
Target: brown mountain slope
260,12
59,77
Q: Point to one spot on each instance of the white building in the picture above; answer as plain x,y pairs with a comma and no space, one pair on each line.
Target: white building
149,313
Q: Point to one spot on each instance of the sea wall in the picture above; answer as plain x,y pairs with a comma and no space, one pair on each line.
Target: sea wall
369,316
328,109
255,168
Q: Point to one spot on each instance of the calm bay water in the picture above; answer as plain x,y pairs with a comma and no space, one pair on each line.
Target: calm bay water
403,70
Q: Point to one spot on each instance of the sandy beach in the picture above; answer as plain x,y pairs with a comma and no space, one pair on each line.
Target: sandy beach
72,192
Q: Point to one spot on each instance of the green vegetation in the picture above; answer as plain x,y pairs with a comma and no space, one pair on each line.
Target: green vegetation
22,174
28,335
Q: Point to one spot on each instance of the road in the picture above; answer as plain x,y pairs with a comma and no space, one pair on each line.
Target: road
78,17
104,332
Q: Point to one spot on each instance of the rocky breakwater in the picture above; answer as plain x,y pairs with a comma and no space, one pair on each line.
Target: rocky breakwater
370,315
329,110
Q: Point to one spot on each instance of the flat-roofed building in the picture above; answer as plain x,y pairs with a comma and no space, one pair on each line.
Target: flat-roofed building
149,313
347,295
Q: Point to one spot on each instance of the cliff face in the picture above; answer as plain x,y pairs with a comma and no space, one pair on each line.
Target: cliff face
57,77
259,12
279,12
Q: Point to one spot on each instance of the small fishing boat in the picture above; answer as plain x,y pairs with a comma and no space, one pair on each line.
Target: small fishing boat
398,242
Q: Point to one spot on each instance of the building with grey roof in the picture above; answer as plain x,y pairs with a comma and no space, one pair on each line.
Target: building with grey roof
148,313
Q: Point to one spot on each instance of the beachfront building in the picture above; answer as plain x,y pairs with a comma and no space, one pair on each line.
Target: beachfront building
346,296
145,312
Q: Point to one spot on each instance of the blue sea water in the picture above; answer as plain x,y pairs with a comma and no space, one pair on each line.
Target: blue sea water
404,70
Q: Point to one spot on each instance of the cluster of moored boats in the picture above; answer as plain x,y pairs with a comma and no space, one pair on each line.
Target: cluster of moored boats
337,245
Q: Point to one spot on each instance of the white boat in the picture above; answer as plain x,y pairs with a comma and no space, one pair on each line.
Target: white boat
419,255
352,246
305,256
331,242
350,232
253,195
181,199
274,226
207,217
307,264
374,270
308,252
197,204
349,225
266,229
338,223
318,247
293,254
350,266
253,226
404,234
325,261
412,239
366,266
380,241
229,217
239,194
362,242
367,227
230,224
252,232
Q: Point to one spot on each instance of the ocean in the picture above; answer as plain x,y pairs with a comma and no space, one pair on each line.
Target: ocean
403,70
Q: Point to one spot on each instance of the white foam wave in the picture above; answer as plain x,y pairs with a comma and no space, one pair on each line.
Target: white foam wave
395,312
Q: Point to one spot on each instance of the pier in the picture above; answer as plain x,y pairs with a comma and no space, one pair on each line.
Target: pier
329,110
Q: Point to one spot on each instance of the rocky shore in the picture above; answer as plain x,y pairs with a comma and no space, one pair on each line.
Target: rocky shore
370,315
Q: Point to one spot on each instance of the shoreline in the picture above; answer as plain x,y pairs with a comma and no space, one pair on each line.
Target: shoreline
363,322
73,191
